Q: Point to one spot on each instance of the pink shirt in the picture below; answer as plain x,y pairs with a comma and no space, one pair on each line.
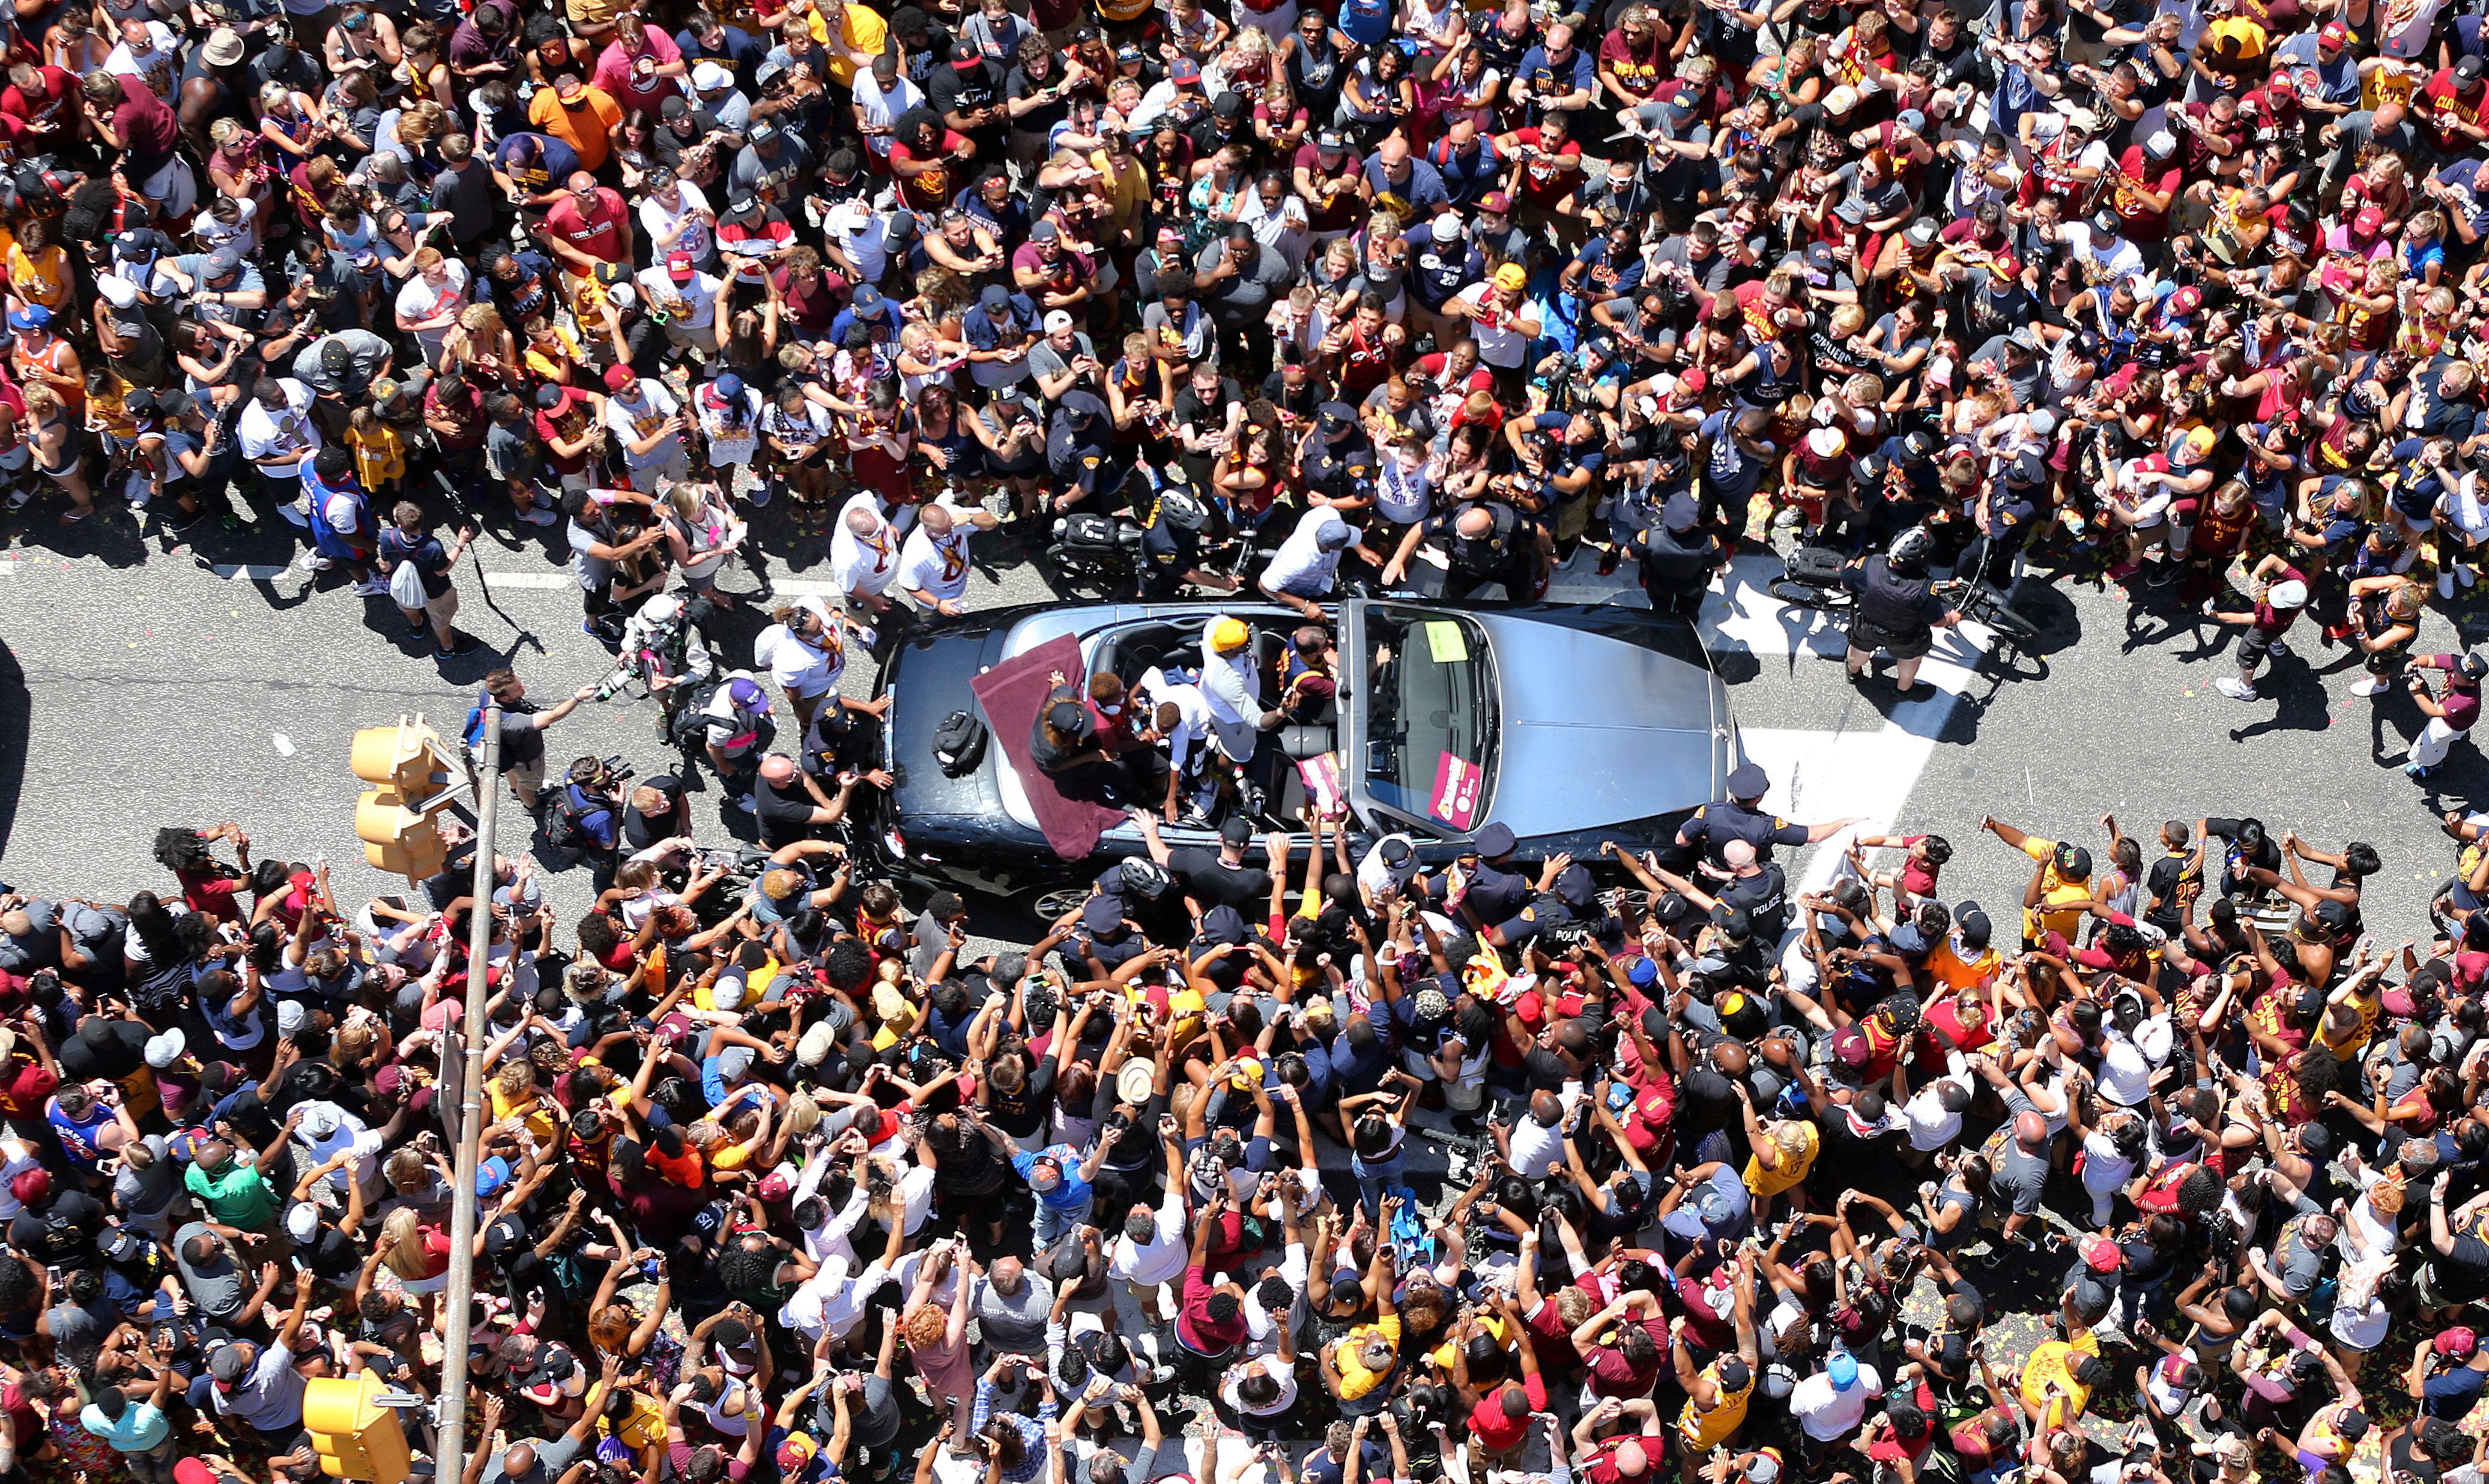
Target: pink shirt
615,74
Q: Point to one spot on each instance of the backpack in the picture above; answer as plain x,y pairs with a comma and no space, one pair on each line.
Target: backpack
472,733
565,824
686,726
958,743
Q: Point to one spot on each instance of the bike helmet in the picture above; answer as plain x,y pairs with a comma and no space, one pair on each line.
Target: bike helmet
1910,550
1145,879
1184,510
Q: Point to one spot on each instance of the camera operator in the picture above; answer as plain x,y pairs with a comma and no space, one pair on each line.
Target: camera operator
586,820
662,646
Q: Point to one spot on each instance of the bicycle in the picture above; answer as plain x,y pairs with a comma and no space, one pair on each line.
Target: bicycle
1811,577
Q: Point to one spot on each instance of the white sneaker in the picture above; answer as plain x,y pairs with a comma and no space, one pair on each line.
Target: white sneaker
313,561
538,515
2279,649
2446,585
2466,576
294,516
2235,687
370,587
2366,685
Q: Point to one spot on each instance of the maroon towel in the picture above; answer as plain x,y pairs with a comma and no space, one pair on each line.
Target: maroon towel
1011,693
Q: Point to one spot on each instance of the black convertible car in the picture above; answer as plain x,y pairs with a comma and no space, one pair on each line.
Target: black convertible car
1569,724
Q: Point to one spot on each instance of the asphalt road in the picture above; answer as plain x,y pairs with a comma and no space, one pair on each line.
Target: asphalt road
147,687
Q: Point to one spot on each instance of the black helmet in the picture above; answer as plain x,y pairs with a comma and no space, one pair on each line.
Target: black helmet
1910,550
1184,510
1145,878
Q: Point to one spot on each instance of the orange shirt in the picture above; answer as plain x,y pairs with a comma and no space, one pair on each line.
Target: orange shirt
587,124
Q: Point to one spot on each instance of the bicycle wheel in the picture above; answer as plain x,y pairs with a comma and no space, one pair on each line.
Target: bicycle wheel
2009,625
1790,590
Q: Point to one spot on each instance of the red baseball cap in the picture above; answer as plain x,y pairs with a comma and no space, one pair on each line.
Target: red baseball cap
2369,222
2334,34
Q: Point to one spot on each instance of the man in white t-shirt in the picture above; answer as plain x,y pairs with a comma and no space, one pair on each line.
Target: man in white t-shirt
1500,317
864,553
678,218
641,415
278,435
933,563
692,303
429,303
1301,571
1829,1405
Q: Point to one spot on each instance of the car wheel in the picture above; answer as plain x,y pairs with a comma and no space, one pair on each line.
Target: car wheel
1048,906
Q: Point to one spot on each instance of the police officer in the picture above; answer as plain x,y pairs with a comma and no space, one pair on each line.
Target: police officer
1496,892
1896,610
1174,523
1678,557
1081,454
2005,513
1488,541
1336,460
1738,817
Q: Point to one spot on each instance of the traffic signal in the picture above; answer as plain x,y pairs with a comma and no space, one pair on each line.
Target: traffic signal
355,1436
417,778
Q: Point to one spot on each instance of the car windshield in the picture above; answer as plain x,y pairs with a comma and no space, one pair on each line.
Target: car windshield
1430,716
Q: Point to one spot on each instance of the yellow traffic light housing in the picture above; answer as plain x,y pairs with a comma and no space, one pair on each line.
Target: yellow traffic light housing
356,1437
417,777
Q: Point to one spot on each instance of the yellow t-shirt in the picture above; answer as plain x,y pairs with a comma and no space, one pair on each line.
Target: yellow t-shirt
539,1110
2061,901
865,32
1791,1169
2053,1361
380,455
1355,1380
643,1428
1702,1431
1442,1355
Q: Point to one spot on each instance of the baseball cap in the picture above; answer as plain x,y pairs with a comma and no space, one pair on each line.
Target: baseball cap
2468,68
491,1176
1236,832
1183,70
708,77
2287,595
1496,202
1511,277
1331,141
2101,1255
1912,120
2334,34
2161,145
1057,320
1843,1370
678,267
868,301
2369,222
2457,1344
619,377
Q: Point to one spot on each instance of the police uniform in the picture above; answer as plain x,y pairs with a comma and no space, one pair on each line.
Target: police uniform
1080,450
1723,820
1679,556
1894,613
1338,460
1502,555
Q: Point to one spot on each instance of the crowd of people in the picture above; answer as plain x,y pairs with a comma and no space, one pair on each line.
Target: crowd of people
783,1184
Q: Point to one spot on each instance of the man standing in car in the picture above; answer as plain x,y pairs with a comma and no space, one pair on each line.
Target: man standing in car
1897,610
1220,878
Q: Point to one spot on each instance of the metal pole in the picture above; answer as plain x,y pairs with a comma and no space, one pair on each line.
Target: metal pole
448,1463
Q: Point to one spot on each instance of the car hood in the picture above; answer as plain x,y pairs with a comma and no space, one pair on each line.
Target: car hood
1605,718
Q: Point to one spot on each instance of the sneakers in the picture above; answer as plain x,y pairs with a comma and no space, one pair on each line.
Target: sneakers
2124,570
2366,685
2159,574
19,496
2414,770
2446,585
294,517
181,525
313,561
740,803
538,515
1786,519
762,494
2465,574
2235,687
370,587
2278,649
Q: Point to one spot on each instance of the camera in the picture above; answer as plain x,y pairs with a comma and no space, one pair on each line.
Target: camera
624,672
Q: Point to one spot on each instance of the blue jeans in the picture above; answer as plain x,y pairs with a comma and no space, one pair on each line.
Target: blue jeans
1052,1221
1373,1175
